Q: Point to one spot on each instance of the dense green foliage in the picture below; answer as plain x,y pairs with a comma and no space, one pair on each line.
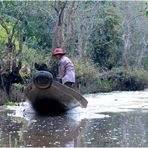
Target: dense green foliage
102,34
105,39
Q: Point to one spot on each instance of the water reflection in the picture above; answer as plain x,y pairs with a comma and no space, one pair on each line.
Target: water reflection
39,131
101,124
53,131
10,130
120,130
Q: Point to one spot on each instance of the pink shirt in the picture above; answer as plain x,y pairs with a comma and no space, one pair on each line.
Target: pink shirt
66,70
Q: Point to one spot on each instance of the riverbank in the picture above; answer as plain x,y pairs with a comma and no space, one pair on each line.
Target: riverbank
113,80
16,95
91,81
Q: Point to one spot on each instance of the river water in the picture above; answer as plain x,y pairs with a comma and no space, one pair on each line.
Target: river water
115,119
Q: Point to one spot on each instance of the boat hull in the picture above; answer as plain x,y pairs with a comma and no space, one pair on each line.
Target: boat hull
52,98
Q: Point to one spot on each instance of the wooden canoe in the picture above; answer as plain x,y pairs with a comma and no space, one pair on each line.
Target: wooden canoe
50,95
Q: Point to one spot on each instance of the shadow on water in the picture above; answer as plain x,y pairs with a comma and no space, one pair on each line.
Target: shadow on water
49,107
39,131
120,129
78,128
53,132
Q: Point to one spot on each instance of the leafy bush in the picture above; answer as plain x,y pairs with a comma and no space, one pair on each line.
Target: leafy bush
145,63
11,104
123,79
86,75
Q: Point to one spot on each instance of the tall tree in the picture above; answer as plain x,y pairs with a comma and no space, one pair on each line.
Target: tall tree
85,20
133,32
60,38
104,39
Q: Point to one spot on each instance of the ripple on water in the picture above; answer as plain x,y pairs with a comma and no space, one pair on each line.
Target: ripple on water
98,104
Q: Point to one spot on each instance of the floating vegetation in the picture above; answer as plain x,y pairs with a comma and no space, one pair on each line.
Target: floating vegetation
11,103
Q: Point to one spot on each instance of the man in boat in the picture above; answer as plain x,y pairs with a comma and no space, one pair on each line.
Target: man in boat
66,71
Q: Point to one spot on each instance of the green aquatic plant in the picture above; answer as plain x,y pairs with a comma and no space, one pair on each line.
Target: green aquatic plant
18,86
9,103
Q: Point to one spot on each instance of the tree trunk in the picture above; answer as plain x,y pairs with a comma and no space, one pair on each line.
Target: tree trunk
57,35
142,52
58,40
9,61
126,38
125,53
69,26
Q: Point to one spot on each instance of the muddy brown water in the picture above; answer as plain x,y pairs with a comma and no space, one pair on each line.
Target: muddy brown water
116,119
